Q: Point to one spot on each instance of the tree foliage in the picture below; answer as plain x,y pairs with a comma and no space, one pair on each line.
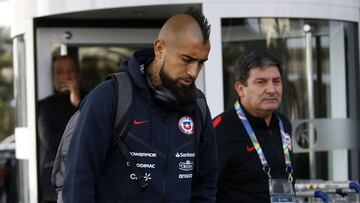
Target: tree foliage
7,110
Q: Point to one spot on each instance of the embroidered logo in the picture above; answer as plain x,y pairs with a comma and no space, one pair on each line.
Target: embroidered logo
137,122
182,176
186,125
147,176
250,148
186,166
184,154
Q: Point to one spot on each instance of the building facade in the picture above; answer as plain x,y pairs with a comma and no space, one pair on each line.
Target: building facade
317,42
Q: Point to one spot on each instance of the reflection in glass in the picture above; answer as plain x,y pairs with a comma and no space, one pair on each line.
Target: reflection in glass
96,62
20,81
21,110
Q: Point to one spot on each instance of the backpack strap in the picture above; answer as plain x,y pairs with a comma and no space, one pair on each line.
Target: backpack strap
58,172
123,118
124,109
201,102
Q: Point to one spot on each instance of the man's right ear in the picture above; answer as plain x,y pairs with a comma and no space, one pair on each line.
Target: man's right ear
239,88
159,46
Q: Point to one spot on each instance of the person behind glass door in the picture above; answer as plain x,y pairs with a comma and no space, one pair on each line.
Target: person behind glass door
54,113
241,176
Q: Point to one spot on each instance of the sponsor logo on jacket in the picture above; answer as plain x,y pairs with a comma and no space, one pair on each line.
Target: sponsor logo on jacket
143,154
186,166
147,176
183,176
142,165
184,154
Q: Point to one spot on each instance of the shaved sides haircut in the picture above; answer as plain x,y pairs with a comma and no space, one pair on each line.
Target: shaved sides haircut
201,20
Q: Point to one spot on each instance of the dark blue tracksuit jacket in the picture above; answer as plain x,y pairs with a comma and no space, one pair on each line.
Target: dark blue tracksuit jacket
161,142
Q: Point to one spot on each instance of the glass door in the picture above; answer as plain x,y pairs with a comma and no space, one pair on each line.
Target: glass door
98,51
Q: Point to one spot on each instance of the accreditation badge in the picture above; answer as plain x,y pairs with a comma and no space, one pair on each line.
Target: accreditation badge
281,190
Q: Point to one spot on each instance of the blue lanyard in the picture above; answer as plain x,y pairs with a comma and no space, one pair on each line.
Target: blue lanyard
254,140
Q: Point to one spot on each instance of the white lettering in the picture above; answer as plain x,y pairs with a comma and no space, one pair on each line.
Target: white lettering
143,154
147,176
184,154
182,176
142,165
186,166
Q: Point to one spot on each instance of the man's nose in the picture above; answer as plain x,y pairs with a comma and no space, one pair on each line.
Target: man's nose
68,76
270,87
194,69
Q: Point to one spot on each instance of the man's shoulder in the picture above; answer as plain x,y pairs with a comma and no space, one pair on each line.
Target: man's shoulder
103,93
225,119
105,88
49,100
44,100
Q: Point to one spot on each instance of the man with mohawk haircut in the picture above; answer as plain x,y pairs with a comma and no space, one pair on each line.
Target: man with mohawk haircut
170,139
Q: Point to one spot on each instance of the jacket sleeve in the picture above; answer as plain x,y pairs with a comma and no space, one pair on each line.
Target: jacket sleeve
89,145
204,182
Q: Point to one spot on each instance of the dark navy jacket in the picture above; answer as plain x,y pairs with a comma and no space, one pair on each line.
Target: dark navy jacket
161,142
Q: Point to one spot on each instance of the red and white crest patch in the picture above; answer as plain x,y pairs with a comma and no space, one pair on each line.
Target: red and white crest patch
186,125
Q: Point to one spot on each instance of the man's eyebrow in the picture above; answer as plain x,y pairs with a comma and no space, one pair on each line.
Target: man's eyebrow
194,59
264,78
260,78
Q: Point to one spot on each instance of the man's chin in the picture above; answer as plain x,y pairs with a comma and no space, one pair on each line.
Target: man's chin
63,91
271,106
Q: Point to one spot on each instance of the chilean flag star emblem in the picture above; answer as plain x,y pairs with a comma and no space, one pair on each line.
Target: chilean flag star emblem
186,125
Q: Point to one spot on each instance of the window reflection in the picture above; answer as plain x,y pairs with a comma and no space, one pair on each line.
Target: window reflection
20,81
96,62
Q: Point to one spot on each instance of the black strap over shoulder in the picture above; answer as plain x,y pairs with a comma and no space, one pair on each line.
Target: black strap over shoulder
124,109
201,102
123,118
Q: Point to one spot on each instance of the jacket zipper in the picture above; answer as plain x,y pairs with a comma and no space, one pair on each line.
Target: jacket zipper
167,157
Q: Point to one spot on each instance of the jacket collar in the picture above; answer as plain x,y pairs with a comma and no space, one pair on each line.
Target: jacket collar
259,122
136,67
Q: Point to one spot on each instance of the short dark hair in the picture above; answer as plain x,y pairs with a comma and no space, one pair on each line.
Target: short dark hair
56,58
201,20
255,59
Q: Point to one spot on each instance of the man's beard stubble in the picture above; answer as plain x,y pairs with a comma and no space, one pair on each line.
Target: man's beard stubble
185,95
